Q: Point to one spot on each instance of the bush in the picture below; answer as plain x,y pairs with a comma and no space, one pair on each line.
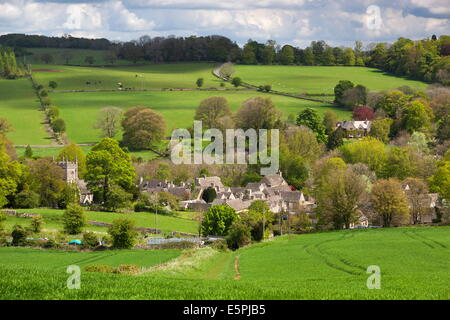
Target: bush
59,125
26,199
2,218
19,235
50,244
52,84
238,236
117,198
217,220
90,240
123,233
74,219
220,244
3,242
36,223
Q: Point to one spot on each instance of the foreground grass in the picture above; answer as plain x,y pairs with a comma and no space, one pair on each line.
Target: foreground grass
414,265
19,105
318,79
179,222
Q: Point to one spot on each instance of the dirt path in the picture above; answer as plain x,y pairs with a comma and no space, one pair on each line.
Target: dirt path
236,268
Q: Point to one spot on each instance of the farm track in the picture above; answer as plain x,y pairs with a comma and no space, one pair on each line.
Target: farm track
431,243
329,259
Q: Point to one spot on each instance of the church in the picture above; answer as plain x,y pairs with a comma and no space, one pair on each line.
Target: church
71,176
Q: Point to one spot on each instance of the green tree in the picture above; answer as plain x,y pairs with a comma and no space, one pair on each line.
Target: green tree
329,121
381,129
47,180
415,117
36,223
335,139
258,113
70,194
286,55
397,164
218,220
53,84
368,150
391,102
107,164
238,236
2,219
142,128
339,90
123,233
389,201
28,152
74,219
89,59
108,121
440,181
211,110
209,194
258,218
59,126
310,118
117,198
199,82
236,81
19,235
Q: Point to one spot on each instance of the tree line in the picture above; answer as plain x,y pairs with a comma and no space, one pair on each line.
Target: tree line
8,64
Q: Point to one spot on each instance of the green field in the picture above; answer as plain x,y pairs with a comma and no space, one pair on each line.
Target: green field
18,103
414,264
78,56
178,108
314,79
181,222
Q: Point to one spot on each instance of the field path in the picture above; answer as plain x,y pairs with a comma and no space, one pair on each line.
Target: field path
236,268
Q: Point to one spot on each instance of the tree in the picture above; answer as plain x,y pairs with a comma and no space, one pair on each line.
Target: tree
226,70
258,217
381,128
74,219
74,153
123,233
2,219
236,81
338,198
349,57
218,220
211,110
89,59
52,113
416,193
248,54
47,180
389,201
117,198
368,150
36,223
59,125
391,102
258,113
443,131
440,181
238,236
310,118
142,128
53,84
363,113
19,235
5,127
415,117
107,164
354,97
209,194
398,164
108,121
11,174
335,139
28,152
339,90
47,58
286,55
302,141
199,82
70,194
329,121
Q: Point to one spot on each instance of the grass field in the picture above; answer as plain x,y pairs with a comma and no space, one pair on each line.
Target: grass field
414,264
78,56
19,105
181,222
155,76
314,79
178,108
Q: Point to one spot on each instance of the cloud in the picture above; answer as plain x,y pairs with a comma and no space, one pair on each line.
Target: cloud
296,22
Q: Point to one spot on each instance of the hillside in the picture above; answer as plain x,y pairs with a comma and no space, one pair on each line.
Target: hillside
413,261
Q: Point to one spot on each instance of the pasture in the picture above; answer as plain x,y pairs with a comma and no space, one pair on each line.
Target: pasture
80,109
414,264
319,79
18,103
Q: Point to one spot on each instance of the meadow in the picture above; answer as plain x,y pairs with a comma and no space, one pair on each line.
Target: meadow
320,79
181,221
413,261
18,103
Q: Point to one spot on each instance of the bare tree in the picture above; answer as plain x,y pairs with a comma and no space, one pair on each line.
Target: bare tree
108,121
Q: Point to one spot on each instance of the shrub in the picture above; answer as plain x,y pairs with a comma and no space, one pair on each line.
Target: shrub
128,269
217,220
220,244
36,223
236,81
209,195
3,242
27,199
74,219
238,236
50,244
52,84
90,240
59,125
122,233
19,235
2,218
117,198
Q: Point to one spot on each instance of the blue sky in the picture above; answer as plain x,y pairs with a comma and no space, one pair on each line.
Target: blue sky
296,22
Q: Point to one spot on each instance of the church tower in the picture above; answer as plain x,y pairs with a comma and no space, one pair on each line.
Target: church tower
70,171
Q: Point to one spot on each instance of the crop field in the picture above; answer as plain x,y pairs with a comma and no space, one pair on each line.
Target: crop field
414,264
19,105
182,222
178,108
319,79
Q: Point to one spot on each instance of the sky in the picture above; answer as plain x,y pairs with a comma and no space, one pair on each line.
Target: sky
295,22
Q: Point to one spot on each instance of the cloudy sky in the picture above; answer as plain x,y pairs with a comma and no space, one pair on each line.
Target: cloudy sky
297,22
